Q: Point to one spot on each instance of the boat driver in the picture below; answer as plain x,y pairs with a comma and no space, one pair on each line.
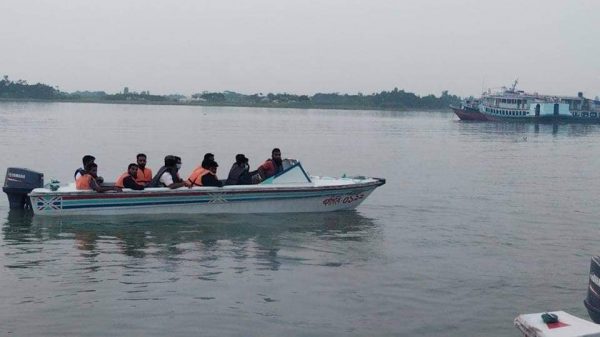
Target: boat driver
271,166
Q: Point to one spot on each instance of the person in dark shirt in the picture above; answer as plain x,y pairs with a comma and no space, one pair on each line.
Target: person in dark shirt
210,178
129,180
239,173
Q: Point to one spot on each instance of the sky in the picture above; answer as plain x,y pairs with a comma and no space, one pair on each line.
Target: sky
303,46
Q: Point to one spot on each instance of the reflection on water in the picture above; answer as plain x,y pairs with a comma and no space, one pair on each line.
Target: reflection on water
168,237
495,128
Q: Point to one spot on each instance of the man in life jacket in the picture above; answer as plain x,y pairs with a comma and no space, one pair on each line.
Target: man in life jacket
81,171
89,181
128,179
195,178
144,174
198,171
209,177
167,175
271,166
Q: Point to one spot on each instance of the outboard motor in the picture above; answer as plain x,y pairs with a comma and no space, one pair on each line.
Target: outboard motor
18,183
592,301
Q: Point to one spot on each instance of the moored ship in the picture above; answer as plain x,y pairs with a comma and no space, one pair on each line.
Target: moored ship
516,105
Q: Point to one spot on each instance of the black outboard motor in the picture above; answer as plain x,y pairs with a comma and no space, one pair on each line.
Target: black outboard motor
592,301
18,183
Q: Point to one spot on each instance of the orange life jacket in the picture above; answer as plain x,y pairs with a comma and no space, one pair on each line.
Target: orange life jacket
83,182
196,177
144,177
119,182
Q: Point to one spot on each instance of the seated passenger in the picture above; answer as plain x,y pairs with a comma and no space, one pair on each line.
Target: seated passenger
209,178
127,179
239,173
88,181
144,174
196,176
167,175
87,159
271,166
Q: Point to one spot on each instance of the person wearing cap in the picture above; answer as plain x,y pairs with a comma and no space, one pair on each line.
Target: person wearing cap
209,178
167,175
239,173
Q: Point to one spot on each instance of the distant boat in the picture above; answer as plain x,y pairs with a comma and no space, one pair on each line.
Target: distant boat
510,104
291,191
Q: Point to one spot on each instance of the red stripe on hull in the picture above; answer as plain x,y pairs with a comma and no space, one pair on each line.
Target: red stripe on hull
465,115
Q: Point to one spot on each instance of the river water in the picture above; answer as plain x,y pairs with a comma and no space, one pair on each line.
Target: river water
477,223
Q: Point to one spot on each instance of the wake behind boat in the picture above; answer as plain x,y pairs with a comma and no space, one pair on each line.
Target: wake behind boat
293,190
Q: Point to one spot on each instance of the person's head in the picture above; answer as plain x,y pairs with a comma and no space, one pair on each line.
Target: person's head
141,160
87,159
92,169
212,165
178,162
276,155
171,161
240,159
132,170
209,156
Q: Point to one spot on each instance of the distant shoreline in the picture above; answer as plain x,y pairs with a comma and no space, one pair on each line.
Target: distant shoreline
214,104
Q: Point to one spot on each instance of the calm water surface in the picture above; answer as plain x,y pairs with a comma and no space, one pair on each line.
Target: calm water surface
478,222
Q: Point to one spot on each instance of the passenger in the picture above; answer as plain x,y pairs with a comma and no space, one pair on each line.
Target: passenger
271,166
89,181
195,178
167,175
239,173
128,179
178,159
87,159
144,174
209,178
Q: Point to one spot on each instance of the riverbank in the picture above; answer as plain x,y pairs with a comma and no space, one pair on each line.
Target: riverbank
295,105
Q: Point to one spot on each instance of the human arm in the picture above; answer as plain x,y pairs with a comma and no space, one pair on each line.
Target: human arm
129,182
211,180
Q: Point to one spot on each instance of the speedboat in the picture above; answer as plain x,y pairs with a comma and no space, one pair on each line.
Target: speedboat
563,324
292,190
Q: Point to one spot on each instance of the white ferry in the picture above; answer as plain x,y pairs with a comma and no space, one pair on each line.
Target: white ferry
510,104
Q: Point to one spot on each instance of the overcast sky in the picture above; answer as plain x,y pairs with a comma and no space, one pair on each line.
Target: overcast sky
304,47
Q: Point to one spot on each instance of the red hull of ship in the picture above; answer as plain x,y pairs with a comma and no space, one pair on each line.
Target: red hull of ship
469,115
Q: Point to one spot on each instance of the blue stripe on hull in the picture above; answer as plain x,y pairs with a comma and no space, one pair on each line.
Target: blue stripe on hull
198,200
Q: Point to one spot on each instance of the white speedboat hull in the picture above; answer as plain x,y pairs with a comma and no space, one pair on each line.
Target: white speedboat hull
320,195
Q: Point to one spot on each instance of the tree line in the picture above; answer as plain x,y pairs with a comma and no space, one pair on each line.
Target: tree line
390,100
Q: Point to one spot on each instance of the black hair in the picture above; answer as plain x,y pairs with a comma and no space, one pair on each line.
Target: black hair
170,161
240,158
140,155
211,163
209,156
275,150
87,159
132,165
90,166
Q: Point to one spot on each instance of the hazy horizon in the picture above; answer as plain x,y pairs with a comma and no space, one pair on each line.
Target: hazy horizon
303,47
